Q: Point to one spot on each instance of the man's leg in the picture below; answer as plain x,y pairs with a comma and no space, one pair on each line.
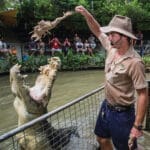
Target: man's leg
121,124
105,144
102,128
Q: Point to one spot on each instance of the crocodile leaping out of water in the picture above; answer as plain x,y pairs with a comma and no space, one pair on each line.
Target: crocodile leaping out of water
31,102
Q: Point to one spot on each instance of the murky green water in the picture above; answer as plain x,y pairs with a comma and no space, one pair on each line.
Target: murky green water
67,87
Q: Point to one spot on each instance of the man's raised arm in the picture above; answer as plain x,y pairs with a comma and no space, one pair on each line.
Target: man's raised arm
92,23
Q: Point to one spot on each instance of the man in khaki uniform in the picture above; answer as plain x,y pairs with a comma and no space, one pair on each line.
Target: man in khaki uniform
125,74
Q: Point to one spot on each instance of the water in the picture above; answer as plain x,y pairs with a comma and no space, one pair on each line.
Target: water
67,87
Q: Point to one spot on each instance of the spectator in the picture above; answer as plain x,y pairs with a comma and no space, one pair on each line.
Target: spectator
66,45
86,46
32,45
3,45
92,42
79,46
55,45
25,56
13,50
76,39
41,46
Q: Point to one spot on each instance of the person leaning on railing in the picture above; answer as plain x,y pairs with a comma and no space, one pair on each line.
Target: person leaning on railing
124,72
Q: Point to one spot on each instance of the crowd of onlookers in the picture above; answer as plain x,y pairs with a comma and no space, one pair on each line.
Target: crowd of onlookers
79,45
56,45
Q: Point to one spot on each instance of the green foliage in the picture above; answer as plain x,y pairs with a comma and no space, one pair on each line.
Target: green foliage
7,62
31,11
69,62
138,14
98,60
5,4
104,10
33,63
26,15
43,10
80,61
146,60
73,61
134,9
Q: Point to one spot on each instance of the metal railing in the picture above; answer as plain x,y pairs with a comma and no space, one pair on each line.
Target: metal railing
70,127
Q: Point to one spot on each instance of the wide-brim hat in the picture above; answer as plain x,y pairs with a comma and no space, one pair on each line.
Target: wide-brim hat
120,24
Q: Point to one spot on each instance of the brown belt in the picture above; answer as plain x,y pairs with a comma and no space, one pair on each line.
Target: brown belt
119,108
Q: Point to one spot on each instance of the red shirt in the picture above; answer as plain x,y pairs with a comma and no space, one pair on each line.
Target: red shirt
55,44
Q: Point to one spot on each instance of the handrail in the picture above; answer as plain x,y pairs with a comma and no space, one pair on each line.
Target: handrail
45,116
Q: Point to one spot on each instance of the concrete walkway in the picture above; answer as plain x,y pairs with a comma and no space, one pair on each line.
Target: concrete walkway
144,141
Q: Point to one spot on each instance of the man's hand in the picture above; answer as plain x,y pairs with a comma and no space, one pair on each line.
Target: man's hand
81,9
92,23
134,134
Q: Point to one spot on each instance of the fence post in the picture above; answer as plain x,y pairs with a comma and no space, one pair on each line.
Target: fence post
147,125
19,51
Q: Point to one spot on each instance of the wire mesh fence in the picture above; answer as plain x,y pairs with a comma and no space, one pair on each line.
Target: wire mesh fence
69,127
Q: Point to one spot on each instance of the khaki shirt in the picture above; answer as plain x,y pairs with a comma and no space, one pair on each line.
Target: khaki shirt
123,75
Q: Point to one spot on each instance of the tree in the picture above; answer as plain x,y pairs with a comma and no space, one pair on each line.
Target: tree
6,4
32,11
138,11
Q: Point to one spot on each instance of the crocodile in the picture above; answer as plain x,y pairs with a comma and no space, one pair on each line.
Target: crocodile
31,103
